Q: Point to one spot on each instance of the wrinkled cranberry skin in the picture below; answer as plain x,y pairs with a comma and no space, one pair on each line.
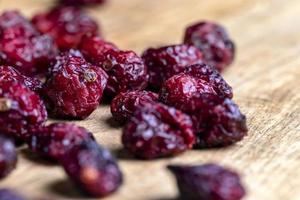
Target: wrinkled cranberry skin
6,194
126,71
221,125
213,41
126,103
8,73
55,140
158,131
93,169
82,2
208,181
66,24
8,156
21,110
167,61
75,87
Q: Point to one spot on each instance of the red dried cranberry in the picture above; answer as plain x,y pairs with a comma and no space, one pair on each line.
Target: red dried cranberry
126,103
213,41
6,194
21,110
55,140
126,72
158,131
67,25
8,156
220,125
208,181
93,169
8,73
167,61
75,87
82,2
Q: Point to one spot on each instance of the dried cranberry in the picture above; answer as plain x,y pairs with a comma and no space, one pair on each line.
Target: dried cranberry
8,73
55,140
75,87
93,169
126,103
158,131
8,156
213,41
208,181
167,61
6,194
82,2
21,110
67,25
220,125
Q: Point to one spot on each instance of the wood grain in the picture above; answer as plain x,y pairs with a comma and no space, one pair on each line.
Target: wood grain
266,82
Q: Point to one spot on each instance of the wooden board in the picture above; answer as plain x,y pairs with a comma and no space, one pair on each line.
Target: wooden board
266,82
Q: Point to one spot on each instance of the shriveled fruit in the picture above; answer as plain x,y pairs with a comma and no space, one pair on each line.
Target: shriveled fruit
8,156
8,73
21,110
82,2
167,61
158,131
213,41
7,194
207,181
66,24
93,169
75,87
126,103
55,140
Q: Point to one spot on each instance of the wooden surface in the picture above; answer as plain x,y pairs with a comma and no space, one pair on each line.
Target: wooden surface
266,82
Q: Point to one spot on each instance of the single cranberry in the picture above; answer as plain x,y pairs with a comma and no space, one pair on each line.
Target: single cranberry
55,140
8,157
93,169
8,73
75,87
6,194
82,2
158,131
126,71
167,61
126,103
21,110
213,41
66,24
208,181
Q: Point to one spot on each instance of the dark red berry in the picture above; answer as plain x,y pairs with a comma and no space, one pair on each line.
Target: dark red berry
213,41
93,169
126,72
8,73
158,131
6,194
82,2
8,156
75,87
208,181
21,110
126,103
167,61
55,140
67,25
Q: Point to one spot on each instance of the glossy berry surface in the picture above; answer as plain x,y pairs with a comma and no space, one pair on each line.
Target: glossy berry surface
93,169
167,61
55,140
213,41
75,87
126,103
8,73
6,194
126,71
66,24
21,110
208,182
158,131
82,2
8,156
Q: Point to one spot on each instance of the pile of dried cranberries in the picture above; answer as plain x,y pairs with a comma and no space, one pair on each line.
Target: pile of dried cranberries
170,99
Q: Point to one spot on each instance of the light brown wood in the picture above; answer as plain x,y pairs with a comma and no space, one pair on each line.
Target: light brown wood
265,78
